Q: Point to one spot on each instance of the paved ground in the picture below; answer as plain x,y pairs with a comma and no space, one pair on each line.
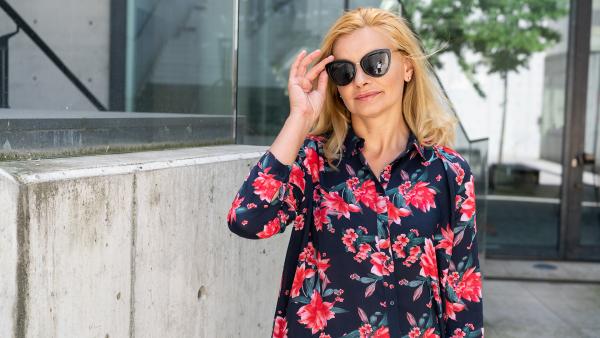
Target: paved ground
565,304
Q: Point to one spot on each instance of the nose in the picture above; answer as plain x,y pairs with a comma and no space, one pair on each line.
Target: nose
360,78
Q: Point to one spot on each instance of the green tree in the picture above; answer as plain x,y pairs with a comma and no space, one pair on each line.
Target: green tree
501,34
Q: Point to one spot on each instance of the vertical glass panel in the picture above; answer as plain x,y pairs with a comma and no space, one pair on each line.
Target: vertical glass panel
114,76
590,217
182,56
522,205
272,33
526,171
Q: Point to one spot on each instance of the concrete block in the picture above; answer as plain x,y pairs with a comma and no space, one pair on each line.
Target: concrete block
133,245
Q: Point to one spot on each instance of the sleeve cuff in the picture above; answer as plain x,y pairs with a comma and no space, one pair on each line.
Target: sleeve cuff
280,170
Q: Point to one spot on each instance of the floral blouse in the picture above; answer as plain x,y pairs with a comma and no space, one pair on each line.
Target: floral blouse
387,256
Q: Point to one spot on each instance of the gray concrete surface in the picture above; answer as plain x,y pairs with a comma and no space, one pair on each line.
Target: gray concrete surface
543,270
133,245
541,298
523,309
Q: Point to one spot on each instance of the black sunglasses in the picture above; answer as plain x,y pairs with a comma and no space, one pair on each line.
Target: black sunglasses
375,63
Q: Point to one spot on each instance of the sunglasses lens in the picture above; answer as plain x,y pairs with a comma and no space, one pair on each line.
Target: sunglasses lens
341,73
376,64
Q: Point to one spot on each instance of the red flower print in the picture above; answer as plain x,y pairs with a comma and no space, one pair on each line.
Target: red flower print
381,266
280,330
351,216
266,186
320,217
452,308
272,227
468,206
335,205
394,213
447,240
299,222
383,243
322,265
313,162
308,254
458,333
290,199
399,244
435,287
414,252
297,177
382,332
316,313
386,172
430,333
349,238
451,151
365,330
460,172
367,194
363,252
301,274
428,261
404,187
421,196
469,287
237,201
415,332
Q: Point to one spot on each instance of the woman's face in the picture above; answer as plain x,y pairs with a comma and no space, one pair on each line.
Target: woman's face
388,88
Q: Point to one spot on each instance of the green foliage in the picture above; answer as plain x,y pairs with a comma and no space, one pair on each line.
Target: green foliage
502,34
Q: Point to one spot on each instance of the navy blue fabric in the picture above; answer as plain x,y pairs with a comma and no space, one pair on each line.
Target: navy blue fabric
387,256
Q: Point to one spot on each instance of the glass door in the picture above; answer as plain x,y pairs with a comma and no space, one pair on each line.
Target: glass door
583,235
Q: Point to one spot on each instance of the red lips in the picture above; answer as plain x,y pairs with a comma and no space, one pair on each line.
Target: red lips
366,94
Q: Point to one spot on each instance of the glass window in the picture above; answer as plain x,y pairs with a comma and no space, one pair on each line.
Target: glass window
115,76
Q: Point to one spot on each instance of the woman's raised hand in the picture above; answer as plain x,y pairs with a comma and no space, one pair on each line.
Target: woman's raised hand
305,105
306,102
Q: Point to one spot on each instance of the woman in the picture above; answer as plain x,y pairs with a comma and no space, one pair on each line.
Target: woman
383,239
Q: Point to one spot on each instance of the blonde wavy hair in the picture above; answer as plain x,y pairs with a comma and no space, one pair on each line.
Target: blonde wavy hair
425,107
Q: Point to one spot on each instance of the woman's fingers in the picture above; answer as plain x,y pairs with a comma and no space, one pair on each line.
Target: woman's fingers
322,84
299,76
306,61
294,67
318,68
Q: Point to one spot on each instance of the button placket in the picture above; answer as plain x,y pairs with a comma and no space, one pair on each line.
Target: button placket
392,277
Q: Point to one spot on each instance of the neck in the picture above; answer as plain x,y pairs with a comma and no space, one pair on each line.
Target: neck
382,135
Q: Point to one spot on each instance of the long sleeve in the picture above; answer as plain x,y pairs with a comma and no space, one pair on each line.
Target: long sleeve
461,283
271,197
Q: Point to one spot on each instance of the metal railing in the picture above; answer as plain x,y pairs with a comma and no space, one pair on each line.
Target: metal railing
43,46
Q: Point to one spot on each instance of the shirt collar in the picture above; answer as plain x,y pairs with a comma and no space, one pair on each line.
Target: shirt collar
353,141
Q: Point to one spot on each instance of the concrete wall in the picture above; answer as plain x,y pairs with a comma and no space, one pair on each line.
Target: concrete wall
133,245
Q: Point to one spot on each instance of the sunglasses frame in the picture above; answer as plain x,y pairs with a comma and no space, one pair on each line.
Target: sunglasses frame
387,51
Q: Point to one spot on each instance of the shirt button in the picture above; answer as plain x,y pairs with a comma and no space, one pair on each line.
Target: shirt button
392,302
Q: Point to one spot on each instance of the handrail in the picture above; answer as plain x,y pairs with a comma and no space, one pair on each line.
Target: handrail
18,20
